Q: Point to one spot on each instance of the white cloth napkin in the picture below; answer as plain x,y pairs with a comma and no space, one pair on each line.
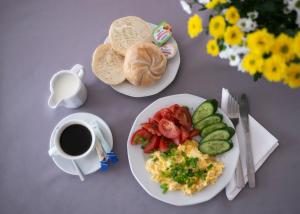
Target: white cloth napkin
263,144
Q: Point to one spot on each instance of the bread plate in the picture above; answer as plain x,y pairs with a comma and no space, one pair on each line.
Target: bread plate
171,71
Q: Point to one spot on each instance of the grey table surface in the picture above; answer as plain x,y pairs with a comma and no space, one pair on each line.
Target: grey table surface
39,38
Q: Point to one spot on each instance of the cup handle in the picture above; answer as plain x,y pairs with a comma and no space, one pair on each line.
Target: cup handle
52,151
78,70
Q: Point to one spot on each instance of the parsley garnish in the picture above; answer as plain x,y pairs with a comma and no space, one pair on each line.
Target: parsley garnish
210,166
164,187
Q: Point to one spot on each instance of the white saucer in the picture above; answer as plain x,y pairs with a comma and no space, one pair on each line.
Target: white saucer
90,163
170,74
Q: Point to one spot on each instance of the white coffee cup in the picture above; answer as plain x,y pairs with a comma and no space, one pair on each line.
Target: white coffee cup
67,88
56,147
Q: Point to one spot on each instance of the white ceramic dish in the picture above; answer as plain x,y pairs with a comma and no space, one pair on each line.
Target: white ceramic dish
90,163
137,158
171,71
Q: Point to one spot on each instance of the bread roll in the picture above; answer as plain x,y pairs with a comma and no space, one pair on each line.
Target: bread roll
127,31
107,65
144,64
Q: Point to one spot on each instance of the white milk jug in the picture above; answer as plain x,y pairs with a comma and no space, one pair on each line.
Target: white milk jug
67,88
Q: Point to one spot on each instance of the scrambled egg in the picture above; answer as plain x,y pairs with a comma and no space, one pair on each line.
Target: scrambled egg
184,168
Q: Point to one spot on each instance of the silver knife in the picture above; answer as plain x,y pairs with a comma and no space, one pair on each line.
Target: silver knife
244,112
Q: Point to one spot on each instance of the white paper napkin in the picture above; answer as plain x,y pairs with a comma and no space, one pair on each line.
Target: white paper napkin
263,144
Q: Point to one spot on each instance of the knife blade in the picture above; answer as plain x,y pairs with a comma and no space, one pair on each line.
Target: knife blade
244,114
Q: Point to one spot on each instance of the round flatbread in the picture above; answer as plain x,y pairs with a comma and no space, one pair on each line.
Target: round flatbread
107,65
127,31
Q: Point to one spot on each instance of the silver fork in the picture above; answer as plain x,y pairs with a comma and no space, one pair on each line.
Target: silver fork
233,114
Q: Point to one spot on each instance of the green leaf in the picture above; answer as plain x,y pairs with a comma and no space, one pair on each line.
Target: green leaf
164,187
202,9
257,76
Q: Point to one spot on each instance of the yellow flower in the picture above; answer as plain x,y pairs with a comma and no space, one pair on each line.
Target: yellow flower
283,46
212,47
232,15
212,4
274,68
233,35
293,75
252,63
260,41
297,44
194,26
217,27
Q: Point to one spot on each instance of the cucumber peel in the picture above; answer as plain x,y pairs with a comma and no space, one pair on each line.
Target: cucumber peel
205,109
220,134
215,147
215,118
211,128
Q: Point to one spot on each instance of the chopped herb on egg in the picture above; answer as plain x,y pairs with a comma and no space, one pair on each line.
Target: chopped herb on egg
210,166
164,187
155,159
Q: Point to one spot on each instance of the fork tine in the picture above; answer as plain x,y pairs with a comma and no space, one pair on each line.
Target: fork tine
236,104
229,106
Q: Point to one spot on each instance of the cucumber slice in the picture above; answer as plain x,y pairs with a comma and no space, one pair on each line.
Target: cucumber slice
221,134
216,118
215,147
209,129
207,108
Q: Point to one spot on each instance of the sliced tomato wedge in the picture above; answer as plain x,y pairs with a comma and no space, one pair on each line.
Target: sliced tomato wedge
184,117
157,117
166,113
176,141
194,133
152,127
168,129
174,107
141,136
152,145
184,134
163,145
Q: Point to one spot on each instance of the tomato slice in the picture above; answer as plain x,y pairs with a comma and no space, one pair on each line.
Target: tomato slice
174,107
152,145
163,145
184,134
166,113
141,136
168,129
157,117
176,141
194,133
184,117
152,127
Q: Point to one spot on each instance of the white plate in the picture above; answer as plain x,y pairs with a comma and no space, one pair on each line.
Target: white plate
90,163
171,71
137,158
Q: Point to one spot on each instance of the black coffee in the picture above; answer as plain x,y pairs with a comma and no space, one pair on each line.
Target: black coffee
75,140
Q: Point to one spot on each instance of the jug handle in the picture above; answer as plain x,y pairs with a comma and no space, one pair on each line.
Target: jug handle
78,70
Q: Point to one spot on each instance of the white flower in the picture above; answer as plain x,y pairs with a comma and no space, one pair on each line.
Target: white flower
293,5
186,7
246,24
252,15
203,1
239,49
224,54
234,60
240,68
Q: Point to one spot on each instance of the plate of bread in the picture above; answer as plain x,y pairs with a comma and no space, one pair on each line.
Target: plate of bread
137,58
